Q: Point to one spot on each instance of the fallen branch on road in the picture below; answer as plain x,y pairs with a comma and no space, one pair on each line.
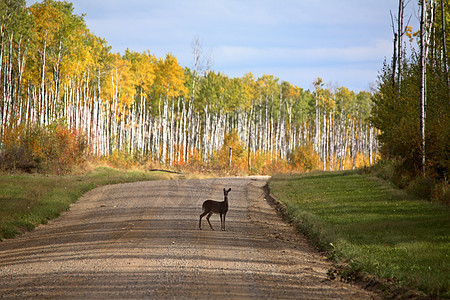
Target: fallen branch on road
168,171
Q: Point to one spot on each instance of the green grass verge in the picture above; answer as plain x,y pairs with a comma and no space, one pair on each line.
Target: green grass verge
375,228
29,200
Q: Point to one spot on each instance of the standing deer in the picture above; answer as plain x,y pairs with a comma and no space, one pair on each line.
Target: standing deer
218,207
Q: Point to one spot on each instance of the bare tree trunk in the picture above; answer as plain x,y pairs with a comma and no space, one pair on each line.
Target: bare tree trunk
2,100
423,80
188,132
7,85
394,56
164,132
57,72
184,132
198,65
249,162
323,147
206,130
444,45
401,9
42,84
432,32
330,147
266,130
370,145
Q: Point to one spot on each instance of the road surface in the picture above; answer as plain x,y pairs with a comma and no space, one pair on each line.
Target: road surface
141,240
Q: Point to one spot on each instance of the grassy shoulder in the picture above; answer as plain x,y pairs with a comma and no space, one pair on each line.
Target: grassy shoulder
377,229
27,200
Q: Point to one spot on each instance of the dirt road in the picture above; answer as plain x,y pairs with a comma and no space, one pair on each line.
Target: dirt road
141,240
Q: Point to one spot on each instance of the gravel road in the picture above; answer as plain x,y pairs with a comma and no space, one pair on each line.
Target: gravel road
141,240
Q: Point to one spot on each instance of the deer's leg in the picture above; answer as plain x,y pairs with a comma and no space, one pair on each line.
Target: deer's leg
207,219
223,228
200,221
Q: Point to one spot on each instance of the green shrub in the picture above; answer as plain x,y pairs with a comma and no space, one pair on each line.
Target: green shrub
428,187
422,187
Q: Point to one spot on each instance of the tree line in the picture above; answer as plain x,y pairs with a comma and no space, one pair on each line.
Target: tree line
412,101
54,70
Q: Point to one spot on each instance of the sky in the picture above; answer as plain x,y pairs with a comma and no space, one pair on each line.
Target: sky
342,41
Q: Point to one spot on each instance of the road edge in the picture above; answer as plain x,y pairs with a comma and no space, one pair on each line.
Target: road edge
385,288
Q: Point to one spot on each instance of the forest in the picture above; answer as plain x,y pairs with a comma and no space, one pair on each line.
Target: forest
65,96
412,102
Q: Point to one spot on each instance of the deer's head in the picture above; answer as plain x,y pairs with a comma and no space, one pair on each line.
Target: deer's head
225,192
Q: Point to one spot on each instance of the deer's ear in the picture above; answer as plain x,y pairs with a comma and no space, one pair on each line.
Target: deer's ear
229,189
224,190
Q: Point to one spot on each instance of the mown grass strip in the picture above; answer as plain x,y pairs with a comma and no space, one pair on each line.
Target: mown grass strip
377,229
29,200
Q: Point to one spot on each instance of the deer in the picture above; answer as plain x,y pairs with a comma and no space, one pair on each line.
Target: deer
219,207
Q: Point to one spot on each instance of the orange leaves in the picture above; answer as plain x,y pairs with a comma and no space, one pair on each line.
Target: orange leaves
304,158
289,91
238,154
410,34
49,149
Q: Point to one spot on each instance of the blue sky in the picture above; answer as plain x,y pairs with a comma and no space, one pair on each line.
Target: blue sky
342,41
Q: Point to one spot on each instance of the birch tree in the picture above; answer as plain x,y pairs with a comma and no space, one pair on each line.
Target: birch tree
54,70
423,79
444,44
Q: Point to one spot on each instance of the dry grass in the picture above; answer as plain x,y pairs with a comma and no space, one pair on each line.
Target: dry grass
27,200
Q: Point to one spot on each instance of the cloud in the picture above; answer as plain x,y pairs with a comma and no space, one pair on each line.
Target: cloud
237,55
290,37
357,77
